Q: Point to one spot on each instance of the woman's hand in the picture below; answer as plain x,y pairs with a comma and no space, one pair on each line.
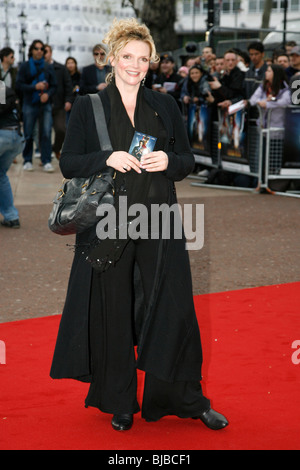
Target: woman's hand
262,104
123,162
155,161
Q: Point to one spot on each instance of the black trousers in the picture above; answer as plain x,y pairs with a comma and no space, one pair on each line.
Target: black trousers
114,386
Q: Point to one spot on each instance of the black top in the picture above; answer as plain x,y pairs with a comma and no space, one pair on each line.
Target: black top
145,188
8,111
89,80
64,91
174,77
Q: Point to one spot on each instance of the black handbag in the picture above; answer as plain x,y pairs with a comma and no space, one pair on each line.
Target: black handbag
75,204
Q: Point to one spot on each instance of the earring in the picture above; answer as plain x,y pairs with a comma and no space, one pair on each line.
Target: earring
143,81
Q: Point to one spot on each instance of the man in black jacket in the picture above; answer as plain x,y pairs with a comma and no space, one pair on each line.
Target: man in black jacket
230,88
93,76
36,82
62,100
11,144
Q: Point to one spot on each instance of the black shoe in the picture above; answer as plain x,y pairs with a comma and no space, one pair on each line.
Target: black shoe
122,422
213,420
11,223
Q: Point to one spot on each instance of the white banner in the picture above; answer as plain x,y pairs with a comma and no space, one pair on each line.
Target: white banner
76,25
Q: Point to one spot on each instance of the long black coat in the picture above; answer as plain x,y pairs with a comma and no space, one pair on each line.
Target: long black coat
169,343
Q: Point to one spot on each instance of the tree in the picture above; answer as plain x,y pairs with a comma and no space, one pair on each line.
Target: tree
160,16
266,17
132,3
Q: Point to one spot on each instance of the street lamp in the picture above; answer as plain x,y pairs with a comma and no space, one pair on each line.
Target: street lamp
47,28
22,18
69,48
285,10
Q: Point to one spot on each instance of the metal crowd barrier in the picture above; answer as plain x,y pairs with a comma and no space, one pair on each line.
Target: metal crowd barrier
236,145
282,154
244,144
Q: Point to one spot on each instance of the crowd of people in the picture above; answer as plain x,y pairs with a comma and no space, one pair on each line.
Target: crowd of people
41,93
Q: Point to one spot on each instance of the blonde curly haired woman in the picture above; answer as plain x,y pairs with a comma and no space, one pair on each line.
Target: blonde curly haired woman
145,298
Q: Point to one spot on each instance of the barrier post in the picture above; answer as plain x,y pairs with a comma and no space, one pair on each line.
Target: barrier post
282,161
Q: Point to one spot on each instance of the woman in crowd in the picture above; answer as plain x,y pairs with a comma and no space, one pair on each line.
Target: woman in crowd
195,87
273,94
145,297
71,64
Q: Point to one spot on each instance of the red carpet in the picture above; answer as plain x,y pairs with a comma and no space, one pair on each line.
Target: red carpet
249,375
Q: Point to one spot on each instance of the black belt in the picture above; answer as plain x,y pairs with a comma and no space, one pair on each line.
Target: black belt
10,128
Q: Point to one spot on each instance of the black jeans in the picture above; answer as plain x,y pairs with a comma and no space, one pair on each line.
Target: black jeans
114,386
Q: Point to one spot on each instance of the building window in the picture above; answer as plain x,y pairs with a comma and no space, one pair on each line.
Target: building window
186,7
295,5
191,7
197,7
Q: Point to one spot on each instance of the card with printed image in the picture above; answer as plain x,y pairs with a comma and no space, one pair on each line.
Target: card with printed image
142,144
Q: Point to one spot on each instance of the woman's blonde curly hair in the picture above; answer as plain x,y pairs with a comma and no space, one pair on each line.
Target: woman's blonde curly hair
121,33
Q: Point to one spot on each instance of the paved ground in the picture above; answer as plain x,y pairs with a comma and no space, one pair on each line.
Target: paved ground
250,240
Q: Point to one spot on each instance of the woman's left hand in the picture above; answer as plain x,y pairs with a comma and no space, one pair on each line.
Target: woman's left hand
155,161
262,104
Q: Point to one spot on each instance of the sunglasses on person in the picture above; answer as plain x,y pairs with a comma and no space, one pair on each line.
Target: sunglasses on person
99,53
39,49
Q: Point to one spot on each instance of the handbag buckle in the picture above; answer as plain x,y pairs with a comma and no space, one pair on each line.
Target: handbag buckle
62,194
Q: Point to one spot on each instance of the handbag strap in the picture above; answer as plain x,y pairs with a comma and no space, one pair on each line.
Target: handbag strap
100,122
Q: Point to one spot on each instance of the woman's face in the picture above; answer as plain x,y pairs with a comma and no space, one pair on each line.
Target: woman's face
71,66
132,63
195,75
269,74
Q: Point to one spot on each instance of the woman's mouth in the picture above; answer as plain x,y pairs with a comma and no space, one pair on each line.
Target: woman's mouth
133,74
